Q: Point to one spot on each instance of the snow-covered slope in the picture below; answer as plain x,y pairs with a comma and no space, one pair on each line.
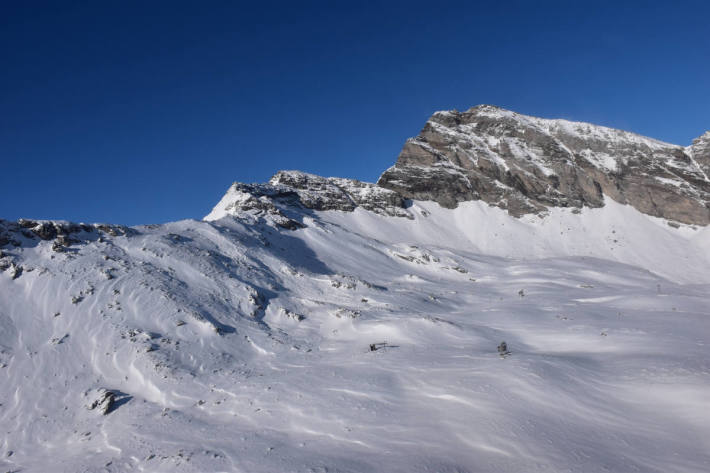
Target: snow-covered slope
242,343
318,324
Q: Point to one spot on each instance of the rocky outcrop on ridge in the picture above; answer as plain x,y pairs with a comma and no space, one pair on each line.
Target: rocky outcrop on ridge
63,233
289,190
519,163
526,164
700,152
27,233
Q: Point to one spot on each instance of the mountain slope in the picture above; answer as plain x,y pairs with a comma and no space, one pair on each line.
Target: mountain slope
240,345
316,324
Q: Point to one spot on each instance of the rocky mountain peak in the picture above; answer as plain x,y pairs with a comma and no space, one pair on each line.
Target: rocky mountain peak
526,164
516,162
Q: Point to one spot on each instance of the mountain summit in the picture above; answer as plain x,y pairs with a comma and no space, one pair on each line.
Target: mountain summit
527,165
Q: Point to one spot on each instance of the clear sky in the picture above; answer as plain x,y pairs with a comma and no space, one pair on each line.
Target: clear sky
145,112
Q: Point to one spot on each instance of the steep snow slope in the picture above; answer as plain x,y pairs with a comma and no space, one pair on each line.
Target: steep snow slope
242,345
615,232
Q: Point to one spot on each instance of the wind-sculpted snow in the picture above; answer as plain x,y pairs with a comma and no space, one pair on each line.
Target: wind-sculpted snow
243,344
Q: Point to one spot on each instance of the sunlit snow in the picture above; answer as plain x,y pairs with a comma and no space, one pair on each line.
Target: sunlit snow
244,347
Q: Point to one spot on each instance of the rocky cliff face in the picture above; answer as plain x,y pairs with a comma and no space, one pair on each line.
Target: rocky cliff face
700,152
519,163
526,164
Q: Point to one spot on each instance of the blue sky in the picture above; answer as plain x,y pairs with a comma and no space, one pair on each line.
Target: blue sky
145,112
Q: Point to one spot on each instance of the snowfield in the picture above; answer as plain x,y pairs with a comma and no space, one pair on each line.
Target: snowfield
233,345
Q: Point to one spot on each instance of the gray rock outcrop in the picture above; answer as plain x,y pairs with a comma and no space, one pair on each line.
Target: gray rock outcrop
289,190
63,233
332,193
700,152
103,401
526,164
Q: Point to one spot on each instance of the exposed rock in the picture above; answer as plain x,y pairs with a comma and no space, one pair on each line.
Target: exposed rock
15,271
700,152
346,313
63,233
526,164
520,163
25,223
65,241
45,230
258,201
114,230
48,230
322,193
59,340
292,315
290,190
103,401
5,263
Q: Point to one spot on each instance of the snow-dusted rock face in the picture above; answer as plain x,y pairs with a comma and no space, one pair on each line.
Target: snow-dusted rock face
62,234
293,190
320,193
523,164
700,152
526,165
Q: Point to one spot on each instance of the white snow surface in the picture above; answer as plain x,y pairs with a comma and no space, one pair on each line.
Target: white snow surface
236,346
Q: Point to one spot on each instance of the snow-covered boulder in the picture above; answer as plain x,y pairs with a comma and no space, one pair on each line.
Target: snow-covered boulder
102,400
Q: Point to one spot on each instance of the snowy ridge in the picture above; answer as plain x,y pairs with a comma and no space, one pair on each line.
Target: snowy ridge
241,344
